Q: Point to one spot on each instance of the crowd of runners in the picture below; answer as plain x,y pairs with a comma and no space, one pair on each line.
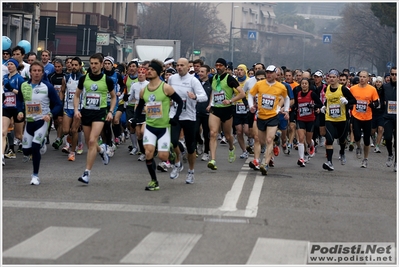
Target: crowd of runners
179,110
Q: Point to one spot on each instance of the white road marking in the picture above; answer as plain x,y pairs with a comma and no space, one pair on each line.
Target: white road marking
252,206
231,199
278,251
115,207
51,243
162,248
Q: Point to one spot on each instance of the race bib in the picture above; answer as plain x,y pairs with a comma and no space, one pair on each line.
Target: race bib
241,108
361,106
218,98
33,108
154,110
11,100
268,101
71,95
304,110
184,104
391,107
93,101
334,110
108,97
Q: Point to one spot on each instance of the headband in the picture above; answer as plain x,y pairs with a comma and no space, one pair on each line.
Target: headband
156,67
14,62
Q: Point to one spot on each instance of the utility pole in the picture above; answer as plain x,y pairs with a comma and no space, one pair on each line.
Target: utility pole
124,36
192,51
231,33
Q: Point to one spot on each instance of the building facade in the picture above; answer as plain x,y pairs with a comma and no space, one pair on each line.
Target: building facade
254,33
20,22
74,28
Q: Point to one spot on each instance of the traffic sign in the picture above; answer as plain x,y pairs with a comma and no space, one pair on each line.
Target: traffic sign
352,69
389,64
327,38
197,52
252,35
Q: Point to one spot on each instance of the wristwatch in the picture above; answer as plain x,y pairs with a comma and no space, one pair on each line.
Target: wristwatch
231,102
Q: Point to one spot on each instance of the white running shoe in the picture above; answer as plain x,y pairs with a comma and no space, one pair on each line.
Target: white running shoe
43,148
190,178
176,171
244,155
134,151
364,163
35,180
104,155
85,178
205,157
162,167
389,161
141,157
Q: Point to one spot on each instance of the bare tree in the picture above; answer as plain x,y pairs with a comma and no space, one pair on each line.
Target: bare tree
361,36
189,22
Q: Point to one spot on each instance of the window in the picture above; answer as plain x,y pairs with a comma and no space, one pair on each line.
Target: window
64,17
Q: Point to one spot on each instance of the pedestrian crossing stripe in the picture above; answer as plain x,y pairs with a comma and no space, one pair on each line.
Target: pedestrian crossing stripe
279,251
162,248
51,243
156,248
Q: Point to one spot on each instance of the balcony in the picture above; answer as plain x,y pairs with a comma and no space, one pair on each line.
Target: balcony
19,8
104,23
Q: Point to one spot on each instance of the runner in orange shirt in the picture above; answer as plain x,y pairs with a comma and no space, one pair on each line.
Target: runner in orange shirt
271,96
366,98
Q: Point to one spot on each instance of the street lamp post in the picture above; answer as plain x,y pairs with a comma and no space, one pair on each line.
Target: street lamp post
124,58
303,53
192,52
231,33
231,45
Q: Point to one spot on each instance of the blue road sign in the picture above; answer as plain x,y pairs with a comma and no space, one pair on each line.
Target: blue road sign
327,38
352,69
252,35
389,65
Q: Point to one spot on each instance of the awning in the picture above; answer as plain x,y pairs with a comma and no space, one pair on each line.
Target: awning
118,40
268,14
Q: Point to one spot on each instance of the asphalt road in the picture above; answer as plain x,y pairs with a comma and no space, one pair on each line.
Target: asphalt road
230,216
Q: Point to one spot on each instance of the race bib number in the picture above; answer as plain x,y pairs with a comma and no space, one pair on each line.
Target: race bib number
241,108
391,107
108,97
93,101
11,99
218,98
361,106
334,110
268,101
304,110
184,104
33,108
71,95
154,110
